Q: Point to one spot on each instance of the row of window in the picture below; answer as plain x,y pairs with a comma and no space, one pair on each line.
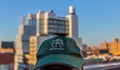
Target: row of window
61,31
56,27
56,21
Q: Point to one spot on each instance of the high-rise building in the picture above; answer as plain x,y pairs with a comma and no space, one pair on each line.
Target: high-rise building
22,40
48,24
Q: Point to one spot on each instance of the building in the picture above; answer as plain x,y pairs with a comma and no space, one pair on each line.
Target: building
40,27
114,47
7,44
85,47
34,45
48,24
22,40
7,58
104,48
92,52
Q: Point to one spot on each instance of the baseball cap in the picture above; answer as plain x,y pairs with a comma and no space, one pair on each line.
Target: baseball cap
59,50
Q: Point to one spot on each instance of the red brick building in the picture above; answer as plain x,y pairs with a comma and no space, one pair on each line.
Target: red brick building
7,58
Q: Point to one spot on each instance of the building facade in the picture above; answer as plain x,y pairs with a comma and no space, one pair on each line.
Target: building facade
22,40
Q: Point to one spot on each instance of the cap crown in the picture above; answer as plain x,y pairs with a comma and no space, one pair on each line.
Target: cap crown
58,45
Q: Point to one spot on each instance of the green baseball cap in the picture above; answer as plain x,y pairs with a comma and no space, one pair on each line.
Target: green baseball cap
59,50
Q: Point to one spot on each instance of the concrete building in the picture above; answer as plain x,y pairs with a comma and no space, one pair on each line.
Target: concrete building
48,24
22,40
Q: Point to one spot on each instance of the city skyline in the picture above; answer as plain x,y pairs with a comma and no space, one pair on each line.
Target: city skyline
42,26
98,20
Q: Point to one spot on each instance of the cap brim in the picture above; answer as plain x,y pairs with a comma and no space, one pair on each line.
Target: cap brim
60,58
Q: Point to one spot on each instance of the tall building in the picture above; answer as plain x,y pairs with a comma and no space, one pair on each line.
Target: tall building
48,24
22,40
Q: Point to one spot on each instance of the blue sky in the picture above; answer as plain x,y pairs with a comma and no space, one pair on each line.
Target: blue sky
99,20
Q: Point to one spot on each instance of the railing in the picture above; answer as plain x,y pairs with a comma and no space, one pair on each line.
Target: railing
102,66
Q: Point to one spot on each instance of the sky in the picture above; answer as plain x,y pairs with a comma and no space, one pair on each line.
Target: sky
99,20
